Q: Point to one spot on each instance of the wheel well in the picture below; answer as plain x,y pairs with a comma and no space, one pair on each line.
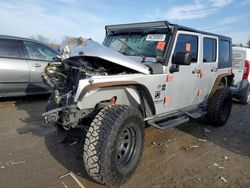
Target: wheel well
221,81
226,80
229,80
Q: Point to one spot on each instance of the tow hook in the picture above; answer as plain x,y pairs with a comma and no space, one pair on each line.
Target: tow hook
52,116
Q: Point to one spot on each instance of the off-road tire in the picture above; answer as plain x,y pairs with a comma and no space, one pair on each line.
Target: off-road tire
100,154
219,107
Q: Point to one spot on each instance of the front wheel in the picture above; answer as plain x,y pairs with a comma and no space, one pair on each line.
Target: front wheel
114,144
219,107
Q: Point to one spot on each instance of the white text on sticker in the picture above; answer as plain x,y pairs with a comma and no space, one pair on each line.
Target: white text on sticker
156,37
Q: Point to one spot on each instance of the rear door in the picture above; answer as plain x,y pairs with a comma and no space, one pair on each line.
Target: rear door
239,56
39,56
208,66
14,71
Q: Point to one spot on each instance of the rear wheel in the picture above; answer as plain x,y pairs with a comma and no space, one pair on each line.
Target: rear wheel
114,144
219,107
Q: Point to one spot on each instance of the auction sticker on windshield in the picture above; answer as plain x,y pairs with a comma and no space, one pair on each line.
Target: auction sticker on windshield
156,37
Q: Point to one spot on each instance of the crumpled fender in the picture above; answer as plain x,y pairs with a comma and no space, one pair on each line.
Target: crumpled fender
128,92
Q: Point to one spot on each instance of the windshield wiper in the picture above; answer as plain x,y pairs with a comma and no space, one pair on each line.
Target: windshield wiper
140,53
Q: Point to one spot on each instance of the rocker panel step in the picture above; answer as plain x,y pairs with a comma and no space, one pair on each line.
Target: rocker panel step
196,114
168,123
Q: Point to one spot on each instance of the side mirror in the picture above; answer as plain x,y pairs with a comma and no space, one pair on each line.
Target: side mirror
182,58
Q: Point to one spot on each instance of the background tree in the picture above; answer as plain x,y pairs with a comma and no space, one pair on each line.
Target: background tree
47,41
41,38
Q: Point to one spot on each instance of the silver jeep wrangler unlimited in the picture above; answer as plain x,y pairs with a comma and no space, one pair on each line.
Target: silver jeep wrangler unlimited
156,73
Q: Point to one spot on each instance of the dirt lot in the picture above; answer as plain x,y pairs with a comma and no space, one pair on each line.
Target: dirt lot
192,155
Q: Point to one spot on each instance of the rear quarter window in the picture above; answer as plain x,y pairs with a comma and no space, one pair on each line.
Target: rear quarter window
224,54
10,48
209,50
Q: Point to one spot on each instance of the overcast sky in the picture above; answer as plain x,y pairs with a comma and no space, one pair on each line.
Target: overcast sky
87,18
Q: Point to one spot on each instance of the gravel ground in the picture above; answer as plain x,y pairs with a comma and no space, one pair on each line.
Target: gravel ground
191,155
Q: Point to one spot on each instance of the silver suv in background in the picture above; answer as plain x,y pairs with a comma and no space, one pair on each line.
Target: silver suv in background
22,62
241,68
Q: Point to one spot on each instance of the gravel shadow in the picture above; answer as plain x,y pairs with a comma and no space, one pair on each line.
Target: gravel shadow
68,152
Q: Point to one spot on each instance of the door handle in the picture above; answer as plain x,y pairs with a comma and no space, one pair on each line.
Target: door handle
196,71
37,65
214,69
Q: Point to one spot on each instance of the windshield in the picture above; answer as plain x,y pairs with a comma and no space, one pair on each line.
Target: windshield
150,45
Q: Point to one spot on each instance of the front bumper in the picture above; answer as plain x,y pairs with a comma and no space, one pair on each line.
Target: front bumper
52,116
68,117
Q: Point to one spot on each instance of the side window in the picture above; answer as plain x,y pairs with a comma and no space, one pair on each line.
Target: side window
187,41
209,50
224,54
10,48
38,51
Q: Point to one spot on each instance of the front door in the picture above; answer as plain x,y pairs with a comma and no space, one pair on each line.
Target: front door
181,86
39,57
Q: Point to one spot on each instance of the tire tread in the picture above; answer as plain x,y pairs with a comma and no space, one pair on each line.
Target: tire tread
102,130
214,106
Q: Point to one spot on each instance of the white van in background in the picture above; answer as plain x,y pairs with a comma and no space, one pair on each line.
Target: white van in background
241,68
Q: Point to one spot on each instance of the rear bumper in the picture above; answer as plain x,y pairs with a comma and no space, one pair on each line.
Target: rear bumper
242,90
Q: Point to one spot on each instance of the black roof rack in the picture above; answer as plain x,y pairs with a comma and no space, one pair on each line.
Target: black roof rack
156,24
138,26
159,24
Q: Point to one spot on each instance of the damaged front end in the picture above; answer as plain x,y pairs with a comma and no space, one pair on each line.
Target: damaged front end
64,78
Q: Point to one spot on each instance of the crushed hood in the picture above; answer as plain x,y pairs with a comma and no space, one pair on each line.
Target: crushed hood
81,47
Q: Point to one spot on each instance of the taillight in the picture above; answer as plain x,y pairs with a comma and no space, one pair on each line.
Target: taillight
246,70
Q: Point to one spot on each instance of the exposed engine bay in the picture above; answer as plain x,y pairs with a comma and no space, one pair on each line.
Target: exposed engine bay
84,59
65,76
64,79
